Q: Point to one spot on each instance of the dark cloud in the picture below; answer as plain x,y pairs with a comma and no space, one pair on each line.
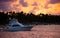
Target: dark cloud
4,7
55,1
34,4
24,4
5,4
7,0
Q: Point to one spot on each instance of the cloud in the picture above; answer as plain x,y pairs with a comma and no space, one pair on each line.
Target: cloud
34,6
54,8
55,1
24,4
7,1
4,6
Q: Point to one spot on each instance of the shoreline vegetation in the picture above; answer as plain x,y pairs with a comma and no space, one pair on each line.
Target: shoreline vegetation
40,19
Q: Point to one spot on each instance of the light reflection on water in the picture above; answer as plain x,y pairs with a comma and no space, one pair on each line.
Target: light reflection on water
38,31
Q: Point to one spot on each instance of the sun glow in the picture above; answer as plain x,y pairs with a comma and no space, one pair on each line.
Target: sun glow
40,11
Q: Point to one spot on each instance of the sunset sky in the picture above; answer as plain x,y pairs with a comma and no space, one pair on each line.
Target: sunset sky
34,6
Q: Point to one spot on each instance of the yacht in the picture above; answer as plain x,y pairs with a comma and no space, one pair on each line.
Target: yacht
14,25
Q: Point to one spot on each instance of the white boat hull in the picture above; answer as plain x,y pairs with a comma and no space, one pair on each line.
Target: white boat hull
25,28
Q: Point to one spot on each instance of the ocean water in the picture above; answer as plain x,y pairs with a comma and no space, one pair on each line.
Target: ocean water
38,31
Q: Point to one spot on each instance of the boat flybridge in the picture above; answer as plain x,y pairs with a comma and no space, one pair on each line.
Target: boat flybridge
14,25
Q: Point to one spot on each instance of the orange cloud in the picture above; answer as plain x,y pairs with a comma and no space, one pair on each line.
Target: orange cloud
36,6
54,8
40,5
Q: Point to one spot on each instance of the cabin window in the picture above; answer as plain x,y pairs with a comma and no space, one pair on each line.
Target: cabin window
15,25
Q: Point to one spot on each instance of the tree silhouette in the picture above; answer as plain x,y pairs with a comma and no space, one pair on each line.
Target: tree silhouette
30,18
